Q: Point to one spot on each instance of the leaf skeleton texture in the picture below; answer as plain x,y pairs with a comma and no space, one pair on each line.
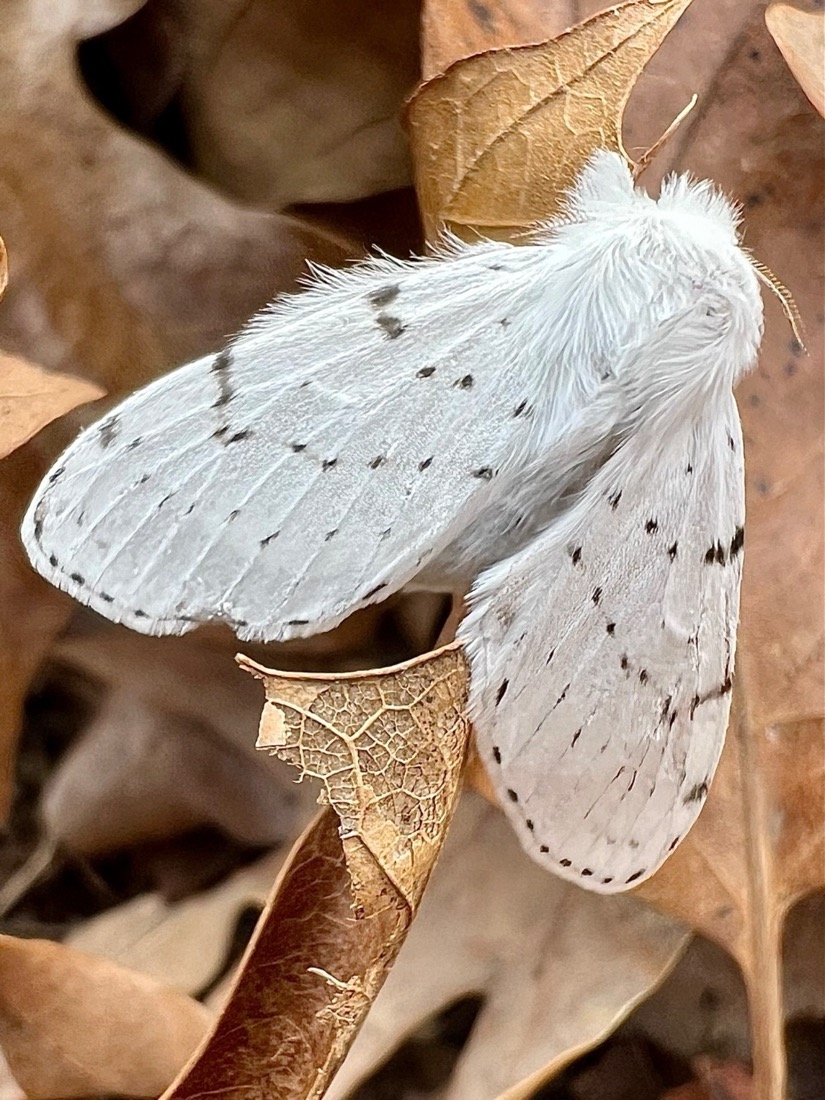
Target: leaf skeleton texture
555,420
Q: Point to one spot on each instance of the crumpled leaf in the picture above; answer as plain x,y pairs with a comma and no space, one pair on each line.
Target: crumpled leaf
558,967
499,137
800,35
388,746
759,845
31,397
72,1025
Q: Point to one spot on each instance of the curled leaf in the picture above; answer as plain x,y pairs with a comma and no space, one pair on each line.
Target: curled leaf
499,137
388,746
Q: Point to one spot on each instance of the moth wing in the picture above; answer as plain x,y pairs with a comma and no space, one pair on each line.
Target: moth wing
311,468
602,654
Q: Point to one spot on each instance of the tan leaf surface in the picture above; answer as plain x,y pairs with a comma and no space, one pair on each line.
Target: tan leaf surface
72,1025
759,845
499,137
31,397
307,978
799,32
388,747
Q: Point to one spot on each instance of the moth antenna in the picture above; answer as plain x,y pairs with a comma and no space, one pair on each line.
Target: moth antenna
786,300
645,159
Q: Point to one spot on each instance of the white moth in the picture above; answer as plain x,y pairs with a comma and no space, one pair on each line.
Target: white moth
557,417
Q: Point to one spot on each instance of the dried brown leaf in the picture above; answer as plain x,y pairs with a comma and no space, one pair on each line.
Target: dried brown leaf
800,35
324,83
306,979
31,397
499,137
74,1025
759,845
140,772
388,747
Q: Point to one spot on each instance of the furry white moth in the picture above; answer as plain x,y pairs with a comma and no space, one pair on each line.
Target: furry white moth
563,408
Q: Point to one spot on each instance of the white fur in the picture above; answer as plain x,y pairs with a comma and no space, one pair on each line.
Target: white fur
419,422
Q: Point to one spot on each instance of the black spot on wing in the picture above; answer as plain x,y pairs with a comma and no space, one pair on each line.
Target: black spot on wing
384,295
696,793
651,527
634,876
611,629
737,542
673,550
391,326
78,578
614,498
374,591
502,691
55,475
511,794
379,460
543,849
269,538
565,862
297,447
576,555
427,462
465,383
220,368
109,430
425,372
496,754
485,473
328,463
520,409
597,596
